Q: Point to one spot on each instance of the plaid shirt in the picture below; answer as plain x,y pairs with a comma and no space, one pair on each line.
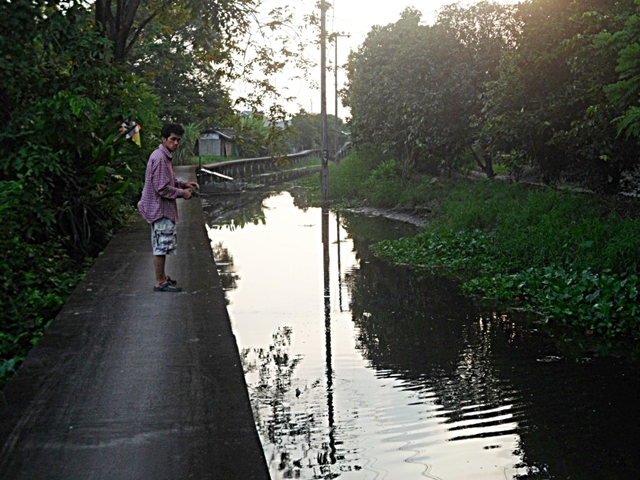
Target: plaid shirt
161,188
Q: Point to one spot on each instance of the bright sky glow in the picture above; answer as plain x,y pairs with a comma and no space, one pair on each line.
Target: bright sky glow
350,17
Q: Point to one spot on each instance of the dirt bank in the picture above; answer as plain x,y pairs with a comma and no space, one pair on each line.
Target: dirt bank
415,217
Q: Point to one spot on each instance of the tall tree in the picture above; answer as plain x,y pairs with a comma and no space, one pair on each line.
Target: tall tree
487,30
68,105
414,87
121,25
189,86
548,107
210,26
625,90
195,46
379,90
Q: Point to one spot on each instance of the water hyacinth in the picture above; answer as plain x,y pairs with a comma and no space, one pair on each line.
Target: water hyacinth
603,302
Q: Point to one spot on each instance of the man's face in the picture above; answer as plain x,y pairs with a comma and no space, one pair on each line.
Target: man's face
172,142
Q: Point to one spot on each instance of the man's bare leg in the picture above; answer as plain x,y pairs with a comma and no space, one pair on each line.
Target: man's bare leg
158,263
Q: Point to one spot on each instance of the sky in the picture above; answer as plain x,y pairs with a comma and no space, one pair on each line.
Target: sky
354,18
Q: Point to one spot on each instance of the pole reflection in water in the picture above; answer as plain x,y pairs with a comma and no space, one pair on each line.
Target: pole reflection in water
327,335
411,380
339,261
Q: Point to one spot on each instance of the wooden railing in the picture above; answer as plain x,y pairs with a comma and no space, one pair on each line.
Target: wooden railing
243,170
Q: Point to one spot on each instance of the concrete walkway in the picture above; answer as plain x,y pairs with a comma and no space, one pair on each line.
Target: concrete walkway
129,383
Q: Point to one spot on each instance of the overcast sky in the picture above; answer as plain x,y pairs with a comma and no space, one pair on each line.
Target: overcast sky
355,18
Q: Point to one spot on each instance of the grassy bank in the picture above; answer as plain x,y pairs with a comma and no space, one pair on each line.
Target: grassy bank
570,257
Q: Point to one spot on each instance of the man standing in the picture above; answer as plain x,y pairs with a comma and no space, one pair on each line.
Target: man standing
158,203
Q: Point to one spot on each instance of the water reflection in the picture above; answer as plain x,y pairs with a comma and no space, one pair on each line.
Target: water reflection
233,211
329,458
224,263
389,373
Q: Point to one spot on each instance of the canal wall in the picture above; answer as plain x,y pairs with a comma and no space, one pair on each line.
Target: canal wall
129,383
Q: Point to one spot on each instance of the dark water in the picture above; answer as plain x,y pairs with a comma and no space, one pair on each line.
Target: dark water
393,374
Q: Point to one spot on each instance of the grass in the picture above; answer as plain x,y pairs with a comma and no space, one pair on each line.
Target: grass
569,257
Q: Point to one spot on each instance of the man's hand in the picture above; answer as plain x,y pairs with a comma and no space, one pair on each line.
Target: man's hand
186,194
192,185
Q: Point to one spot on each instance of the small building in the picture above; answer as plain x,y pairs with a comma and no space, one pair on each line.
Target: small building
219,142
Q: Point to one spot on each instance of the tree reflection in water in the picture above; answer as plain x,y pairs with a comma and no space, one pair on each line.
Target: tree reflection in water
298,439
482,368
235,211
224,264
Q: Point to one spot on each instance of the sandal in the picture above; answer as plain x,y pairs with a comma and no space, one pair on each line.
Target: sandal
167,287
171,280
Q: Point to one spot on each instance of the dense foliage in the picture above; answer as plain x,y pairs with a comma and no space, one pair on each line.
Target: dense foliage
546,87
191,51
564,266
180,52
544,84
68,175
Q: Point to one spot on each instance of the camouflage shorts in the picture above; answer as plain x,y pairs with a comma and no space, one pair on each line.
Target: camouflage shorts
163,237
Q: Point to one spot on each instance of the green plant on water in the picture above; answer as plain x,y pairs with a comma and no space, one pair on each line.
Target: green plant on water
604,303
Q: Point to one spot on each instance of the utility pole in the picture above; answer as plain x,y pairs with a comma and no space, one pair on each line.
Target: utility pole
323,105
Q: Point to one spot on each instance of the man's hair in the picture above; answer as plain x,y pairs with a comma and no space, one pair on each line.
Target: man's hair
170,128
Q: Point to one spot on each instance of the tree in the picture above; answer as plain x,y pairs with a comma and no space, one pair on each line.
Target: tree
209,27
415,88
305,131
62,142
547,108
120,26
189,86
381,107
487,30
187,49
625,90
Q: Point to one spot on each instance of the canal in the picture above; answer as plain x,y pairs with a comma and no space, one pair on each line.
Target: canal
359,369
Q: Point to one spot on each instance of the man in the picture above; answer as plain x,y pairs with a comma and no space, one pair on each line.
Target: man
158,203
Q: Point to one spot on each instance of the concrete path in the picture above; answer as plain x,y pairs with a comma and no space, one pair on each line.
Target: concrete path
129,383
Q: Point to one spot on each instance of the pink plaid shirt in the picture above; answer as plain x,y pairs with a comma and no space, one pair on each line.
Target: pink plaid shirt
161,188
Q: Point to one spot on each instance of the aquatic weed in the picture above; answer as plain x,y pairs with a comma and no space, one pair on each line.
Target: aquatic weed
604,303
